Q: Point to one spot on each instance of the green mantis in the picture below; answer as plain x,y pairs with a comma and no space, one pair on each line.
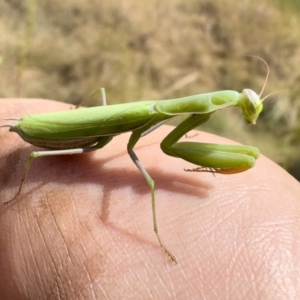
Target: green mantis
84,130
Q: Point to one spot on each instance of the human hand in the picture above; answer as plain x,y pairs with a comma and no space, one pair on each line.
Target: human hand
82,226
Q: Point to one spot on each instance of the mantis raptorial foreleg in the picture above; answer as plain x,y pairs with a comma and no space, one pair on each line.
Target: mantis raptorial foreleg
225,159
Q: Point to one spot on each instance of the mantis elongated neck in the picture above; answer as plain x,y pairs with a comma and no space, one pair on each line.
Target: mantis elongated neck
198,104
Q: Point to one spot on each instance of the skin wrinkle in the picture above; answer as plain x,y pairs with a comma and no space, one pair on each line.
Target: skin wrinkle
91,280
251,274
75,211
126,279
36,263
219,224
277,268
55,267
60,232
83,224
86,249
257,286
162,284
89,231
44,244
143,282
21,252
264,281
172,288
235,205
102,290
186,279
234,260
83,247
199,273
118,256
85,266
271,252
274,266
266,235
226,218
211,284
89,287
30,242
101,294
34,260
256,267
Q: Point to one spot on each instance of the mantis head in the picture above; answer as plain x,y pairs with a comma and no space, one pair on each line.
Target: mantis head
250,102
251,105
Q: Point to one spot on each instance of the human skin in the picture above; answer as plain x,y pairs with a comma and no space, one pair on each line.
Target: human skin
82,226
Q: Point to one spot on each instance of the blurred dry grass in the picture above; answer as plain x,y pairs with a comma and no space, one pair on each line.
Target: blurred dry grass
157,49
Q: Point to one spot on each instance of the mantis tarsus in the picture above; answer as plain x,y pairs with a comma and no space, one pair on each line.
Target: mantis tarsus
84,130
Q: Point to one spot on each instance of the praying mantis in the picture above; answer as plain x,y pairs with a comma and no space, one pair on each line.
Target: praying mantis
84,130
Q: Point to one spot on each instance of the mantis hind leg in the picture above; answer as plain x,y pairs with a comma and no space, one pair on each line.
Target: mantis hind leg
35,154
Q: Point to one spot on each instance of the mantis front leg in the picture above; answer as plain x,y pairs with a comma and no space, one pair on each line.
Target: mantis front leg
214,158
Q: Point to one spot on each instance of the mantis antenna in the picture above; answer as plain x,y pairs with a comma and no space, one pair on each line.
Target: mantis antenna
267,77
266,80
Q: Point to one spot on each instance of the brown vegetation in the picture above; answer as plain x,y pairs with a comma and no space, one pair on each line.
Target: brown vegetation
156,49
